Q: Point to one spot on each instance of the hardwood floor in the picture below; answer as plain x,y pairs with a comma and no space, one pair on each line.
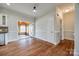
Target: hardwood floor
37,47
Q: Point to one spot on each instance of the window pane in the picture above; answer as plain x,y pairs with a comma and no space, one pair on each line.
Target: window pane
22,28
4,20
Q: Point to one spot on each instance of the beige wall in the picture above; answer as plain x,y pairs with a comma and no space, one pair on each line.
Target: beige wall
68,25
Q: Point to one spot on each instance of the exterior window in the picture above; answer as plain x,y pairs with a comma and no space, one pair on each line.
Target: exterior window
22,28
3,20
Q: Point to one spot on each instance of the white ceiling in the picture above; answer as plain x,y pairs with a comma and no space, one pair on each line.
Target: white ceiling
27,8
68,7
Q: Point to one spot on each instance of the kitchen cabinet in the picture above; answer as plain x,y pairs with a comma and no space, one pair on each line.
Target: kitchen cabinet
3,20
2,39
3,29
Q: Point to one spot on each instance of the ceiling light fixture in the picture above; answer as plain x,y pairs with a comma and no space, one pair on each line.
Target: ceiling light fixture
8,4
67,10
34,9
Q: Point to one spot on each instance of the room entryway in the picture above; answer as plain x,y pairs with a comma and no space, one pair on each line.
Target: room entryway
23,29
65,21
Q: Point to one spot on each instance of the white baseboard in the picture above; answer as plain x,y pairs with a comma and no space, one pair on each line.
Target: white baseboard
55,43
12,40
69,38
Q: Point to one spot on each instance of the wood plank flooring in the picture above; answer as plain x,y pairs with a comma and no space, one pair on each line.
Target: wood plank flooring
37,47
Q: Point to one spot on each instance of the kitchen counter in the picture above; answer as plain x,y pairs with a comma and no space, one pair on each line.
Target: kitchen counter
3,31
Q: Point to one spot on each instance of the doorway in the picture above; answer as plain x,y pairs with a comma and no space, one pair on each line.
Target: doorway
66,17
65,21
23,29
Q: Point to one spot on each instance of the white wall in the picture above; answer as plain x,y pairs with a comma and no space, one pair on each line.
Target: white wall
12,26
58,25
68,19
45,28
76,51
12,19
